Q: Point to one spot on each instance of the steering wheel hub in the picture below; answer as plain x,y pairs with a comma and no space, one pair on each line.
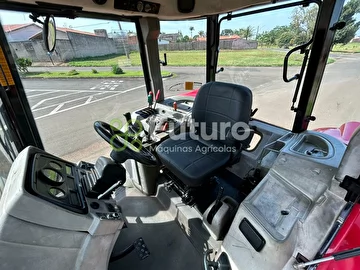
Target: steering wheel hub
124,145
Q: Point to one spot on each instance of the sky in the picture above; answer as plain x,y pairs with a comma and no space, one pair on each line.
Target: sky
260,22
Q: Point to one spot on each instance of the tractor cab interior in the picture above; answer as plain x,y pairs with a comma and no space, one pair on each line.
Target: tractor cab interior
193,180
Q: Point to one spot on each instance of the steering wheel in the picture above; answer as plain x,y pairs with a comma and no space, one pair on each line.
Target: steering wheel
124,145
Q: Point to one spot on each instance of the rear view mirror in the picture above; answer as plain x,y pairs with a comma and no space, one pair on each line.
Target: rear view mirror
49,33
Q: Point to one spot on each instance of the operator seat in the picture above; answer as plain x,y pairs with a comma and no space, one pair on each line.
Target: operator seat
194,161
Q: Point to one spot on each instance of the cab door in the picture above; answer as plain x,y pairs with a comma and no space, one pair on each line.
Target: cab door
18,121
17,125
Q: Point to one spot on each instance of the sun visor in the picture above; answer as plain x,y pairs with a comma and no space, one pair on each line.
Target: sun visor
350,163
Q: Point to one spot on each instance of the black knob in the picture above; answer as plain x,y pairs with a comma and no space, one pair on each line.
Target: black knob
128,118
94,205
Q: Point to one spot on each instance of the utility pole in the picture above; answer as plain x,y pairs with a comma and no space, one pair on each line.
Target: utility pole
123,42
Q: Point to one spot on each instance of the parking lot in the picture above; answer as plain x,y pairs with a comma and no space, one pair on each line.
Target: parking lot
50,101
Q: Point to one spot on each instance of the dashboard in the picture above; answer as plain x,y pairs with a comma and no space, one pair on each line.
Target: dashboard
62,222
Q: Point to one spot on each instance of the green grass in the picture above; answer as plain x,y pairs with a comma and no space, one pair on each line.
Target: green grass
242,58
105,61
353,47
88,74
257,58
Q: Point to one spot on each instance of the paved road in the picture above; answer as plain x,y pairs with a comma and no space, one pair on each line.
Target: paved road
66,109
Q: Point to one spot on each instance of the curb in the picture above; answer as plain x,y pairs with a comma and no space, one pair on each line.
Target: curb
88,78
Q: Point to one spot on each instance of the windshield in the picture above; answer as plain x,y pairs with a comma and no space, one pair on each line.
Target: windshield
184,43
252,50
95,73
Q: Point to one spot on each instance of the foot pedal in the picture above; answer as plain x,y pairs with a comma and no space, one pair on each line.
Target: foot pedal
141,248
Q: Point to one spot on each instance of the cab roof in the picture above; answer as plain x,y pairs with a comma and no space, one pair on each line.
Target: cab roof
166,9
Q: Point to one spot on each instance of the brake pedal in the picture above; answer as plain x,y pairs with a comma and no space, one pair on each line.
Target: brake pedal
141,248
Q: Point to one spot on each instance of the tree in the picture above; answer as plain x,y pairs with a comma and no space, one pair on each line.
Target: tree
304,19
180,37
195,37
23,64
303,23
186,38
191,30
346,34
246,33
227,32
201,33
280,35
285,39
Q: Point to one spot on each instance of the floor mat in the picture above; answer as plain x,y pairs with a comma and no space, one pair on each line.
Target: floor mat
168,245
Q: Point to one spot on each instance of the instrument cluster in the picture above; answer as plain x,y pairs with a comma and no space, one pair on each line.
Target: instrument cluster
57,181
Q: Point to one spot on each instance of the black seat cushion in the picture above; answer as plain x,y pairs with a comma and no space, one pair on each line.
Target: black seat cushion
215,104
192,161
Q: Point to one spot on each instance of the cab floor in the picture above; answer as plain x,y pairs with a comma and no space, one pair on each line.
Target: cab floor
168,245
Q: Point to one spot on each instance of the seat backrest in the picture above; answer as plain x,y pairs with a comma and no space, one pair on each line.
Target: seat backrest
219,102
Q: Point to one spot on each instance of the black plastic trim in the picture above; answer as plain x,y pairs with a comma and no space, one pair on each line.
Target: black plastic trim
252,235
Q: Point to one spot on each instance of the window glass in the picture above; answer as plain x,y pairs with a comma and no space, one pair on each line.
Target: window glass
184,43
95,73
252,50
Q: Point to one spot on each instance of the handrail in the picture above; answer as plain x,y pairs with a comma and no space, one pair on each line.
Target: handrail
302,49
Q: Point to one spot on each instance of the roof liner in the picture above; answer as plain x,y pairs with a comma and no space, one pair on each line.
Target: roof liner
168,8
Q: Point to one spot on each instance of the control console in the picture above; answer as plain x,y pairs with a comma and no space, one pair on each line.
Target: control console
163,119
56,204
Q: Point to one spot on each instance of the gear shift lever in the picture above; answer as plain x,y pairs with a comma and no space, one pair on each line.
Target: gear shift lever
128,118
